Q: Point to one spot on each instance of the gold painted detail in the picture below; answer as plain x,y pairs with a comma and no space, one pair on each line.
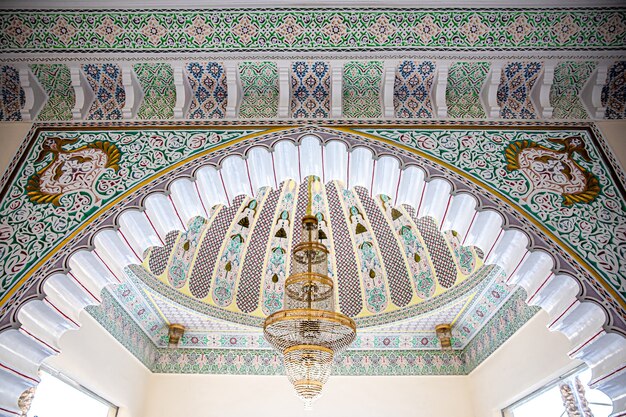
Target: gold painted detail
550,170
76,170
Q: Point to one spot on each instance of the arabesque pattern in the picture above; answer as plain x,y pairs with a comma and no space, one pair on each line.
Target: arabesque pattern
411,90
315,29
310,90
56,81
361,89
569,79
11,94
157,82
106,82
614,92
518,78
208,86
259,83
465,80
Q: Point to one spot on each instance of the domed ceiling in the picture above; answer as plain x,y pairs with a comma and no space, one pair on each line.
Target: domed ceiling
396,274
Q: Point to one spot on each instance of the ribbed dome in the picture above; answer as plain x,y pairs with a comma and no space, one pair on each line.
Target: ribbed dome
382,257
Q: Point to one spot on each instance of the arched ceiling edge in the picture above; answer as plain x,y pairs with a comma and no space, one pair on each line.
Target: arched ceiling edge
568,309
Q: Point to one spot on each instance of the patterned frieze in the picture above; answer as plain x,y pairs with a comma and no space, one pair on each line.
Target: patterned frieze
516,90
321,29
369,355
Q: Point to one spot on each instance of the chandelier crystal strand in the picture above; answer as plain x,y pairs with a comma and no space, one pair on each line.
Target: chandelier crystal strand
309,332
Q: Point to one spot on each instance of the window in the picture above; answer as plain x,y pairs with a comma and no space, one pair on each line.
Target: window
571,391
59,396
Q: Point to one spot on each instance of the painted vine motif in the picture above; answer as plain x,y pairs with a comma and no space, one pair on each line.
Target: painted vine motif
312,29
76,170
593,225
549,170
133,156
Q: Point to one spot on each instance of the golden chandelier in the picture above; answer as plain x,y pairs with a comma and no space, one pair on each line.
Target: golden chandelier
308,332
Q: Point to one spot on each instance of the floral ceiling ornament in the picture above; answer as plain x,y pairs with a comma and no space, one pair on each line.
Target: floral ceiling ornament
77,170
565,29
382,30
519,29
290,29
474,29
336,29
245,30
63,31
154,31
427,29
199,30
108,30
18,31
550,170
613,28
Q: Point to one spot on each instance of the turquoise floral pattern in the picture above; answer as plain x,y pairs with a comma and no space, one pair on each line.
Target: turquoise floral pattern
315,29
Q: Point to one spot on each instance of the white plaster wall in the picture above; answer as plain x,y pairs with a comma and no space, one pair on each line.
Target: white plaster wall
615,133
531,358
12,135
265,396
94,359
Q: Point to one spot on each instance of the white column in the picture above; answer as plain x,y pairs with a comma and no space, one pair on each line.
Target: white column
438,94
234,89
389,77
591,94
489,91
132,89
183,90
284,93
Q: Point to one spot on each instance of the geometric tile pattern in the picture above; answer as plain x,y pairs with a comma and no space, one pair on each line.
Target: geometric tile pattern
421,269
106,83
252,269
426,322
569,79
259,83
398,277
517,79
313,29
116,320
277,259
159,256
157,82
411,90
234,248
372,270
513,314
465,80
438,249
11,94
188,318
208,87
349,288
301,206
202,274
375,354
361,89
57,83
310,90
614,92
464,257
